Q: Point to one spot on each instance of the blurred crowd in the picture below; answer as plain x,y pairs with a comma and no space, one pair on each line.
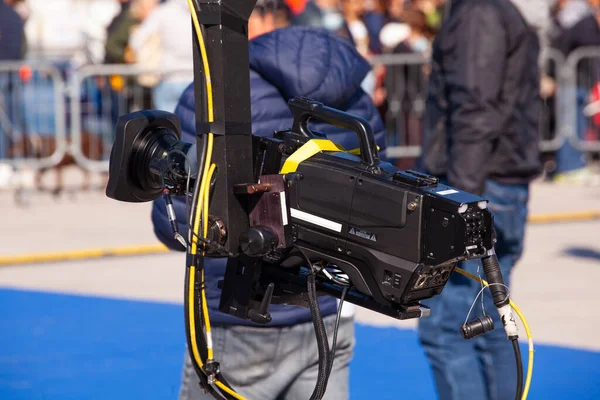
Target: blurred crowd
74,33
135,31
95,31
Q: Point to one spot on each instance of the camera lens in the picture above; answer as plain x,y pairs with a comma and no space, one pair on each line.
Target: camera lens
147,156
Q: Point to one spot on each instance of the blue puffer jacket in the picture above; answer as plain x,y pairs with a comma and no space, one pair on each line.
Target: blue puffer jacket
295,61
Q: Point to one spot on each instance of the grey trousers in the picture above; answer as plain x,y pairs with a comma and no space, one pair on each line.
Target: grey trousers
275,363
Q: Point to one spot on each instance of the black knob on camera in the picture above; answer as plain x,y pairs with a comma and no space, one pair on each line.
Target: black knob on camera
477,327
257,241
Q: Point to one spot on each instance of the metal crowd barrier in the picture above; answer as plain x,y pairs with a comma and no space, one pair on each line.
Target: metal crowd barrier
99,95
406,89
581,77
37,129
32,115
551,124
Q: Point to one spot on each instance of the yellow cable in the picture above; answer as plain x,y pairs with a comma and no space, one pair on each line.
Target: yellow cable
204,61
204,188
525,325
191,309
209,100
206,196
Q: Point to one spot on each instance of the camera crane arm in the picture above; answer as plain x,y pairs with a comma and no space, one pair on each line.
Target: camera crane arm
396,235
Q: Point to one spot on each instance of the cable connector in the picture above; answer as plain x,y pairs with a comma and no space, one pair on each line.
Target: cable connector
212,369
508,320
493,274
477,327
499,291
173,218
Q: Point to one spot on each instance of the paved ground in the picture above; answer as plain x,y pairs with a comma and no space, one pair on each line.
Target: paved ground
554,284
137,345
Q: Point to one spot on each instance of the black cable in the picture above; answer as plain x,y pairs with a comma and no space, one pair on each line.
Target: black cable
519,361
321,334
335,332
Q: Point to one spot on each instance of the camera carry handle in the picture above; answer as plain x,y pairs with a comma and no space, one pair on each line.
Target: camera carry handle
304,110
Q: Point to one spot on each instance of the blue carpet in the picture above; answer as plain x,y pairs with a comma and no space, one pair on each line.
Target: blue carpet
62,347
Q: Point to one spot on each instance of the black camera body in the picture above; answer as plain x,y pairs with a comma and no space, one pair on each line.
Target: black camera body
397,235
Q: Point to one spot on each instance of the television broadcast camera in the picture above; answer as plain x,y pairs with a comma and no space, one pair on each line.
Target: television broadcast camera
397,235
296,215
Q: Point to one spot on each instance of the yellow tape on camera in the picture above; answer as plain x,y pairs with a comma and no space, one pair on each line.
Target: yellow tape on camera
306,151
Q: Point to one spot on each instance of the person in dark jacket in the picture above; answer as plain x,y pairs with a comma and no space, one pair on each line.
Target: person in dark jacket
279,360
481,136
12,34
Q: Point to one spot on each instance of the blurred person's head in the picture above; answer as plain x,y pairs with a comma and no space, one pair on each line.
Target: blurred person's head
413,31
325,4
434,12
332,17
379,6
370,5
353,9
283,15
424,4
417,21
140,9
267,16
395,8
20,7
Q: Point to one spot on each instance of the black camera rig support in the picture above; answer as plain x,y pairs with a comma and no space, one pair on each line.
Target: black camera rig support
285,209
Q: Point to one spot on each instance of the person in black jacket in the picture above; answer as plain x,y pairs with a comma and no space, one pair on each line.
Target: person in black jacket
481,135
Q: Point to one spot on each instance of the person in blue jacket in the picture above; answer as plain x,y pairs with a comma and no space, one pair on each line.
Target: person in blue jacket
280,360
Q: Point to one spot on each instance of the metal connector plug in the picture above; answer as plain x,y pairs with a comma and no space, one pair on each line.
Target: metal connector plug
212,369
172,218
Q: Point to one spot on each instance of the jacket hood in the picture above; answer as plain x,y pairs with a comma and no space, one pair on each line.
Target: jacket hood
303,61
